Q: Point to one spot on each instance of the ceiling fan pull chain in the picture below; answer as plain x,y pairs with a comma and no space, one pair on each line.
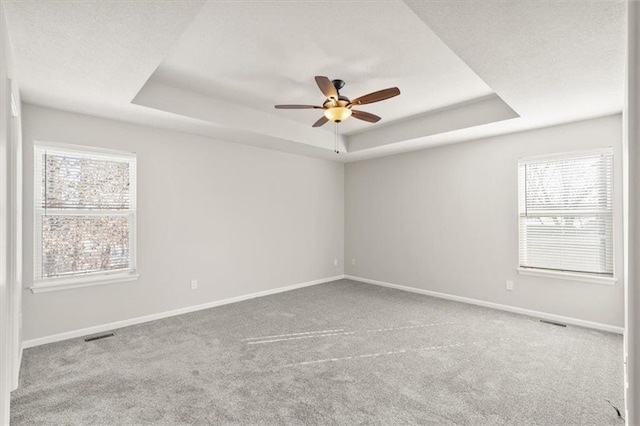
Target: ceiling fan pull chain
335,133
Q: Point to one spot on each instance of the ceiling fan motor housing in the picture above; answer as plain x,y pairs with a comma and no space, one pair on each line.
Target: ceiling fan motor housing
342,101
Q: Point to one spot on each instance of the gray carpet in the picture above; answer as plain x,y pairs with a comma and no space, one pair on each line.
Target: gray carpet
338,353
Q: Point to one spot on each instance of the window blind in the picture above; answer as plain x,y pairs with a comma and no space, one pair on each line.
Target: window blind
566,213
85,209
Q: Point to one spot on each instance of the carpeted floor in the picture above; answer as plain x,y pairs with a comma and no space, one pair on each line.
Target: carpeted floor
338,353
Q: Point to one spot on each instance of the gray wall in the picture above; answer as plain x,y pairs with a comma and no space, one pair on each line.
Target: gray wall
239,219
446,219
242,219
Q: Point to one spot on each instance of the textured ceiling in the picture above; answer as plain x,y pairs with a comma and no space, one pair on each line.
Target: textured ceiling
549,60
92,51
216,68
263,53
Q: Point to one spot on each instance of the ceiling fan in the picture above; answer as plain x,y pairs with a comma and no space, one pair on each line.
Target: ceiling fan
338,108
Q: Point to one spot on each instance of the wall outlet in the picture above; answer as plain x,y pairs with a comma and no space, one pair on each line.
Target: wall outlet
194,284
509,285
353,261
335,262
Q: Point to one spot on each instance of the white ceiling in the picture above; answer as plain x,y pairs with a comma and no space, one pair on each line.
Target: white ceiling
546,59
92,51
216,68
261,54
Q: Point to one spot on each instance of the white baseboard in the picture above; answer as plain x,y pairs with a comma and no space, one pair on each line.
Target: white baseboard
132,321
528,312
152,317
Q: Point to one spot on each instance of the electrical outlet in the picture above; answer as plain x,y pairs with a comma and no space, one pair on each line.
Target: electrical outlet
194,284
335,262
353,261
509,285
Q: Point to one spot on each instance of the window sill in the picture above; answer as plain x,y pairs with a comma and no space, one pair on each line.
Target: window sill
571,276
78,282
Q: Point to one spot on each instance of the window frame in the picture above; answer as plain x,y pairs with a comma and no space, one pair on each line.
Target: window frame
585,277
43,284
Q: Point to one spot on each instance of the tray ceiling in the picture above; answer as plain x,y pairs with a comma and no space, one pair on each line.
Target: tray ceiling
466,69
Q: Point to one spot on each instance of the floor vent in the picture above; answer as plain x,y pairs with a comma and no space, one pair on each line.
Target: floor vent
559,324
102,336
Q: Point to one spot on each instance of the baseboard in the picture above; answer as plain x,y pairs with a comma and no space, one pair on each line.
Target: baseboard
514,309
138,320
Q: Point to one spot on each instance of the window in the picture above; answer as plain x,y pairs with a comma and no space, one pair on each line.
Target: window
566,214
85,215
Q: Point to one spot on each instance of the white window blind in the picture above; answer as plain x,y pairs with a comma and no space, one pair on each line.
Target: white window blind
566,213
85,212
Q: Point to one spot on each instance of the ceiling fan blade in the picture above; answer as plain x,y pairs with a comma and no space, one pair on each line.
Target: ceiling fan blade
326,87
378,96
297,107
366,116
320,122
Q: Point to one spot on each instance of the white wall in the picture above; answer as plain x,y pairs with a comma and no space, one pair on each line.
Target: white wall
446,219
239,219
10,235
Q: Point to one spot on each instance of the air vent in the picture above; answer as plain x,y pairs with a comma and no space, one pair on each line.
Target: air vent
102,336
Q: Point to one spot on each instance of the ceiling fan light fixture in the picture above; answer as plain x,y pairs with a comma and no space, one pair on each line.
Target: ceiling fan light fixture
337,114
